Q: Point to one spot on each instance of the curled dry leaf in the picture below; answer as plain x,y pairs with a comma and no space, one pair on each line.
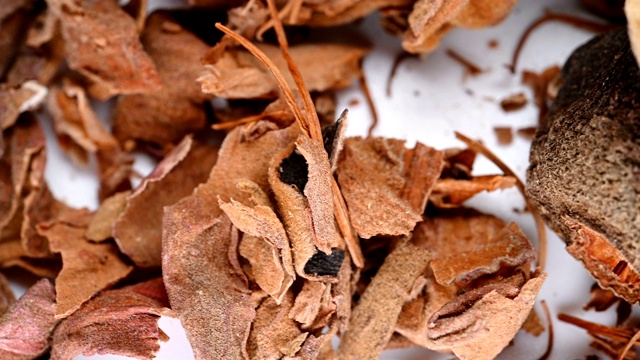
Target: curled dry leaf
138,229
25,329
386,185
6,295
450,193
101,43
165,116
81,260
119,322
236,74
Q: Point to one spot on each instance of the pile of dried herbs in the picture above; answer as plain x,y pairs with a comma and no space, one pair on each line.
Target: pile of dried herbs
268,235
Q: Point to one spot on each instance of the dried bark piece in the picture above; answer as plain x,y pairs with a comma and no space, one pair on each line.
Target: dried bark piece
274,334
102,30
81,260
80,133
300,179
451,193
120,322
218,319
6,295
540,84
76,124
101,226
25,329
533,325
138,229
236,74
509,249
307,303
496,320
632,12
504,134
589,194
14,18
16,100
513,102
374,317
429,21
385,185
165,116
265,243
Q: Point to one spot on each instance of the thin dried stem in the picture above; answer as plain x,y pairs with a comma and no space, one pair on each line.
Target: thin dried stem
312,122
286,10
634,339
228,125
547,315
394,68
472,69
597,329
370,103
578,22
540,227
282,83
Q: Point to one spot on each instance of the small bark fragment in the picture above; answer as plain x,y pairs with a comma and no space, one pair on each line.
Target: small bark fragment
18,99
165,116
25,329
101,43
216,311
374,317
504,134
451,193
6,295
120,322
138,229
101,226
81,260
513,102
385,185
236,74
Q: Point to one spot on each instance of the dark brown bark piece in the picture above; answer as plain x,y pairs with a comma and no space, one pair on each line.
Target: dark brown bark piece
584,176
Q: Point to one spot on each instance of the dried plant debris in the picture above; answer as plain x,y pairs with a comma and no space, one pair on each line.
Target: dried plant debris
120,322
165,116
590,193
385,185
236,74
6,295
272,237
504,134
616,342
101,43
81,259
25,329
219,317
138,228
513,102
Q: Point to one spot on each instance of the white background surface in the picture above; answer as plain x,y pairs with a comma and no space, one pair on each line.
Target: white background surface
430,101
